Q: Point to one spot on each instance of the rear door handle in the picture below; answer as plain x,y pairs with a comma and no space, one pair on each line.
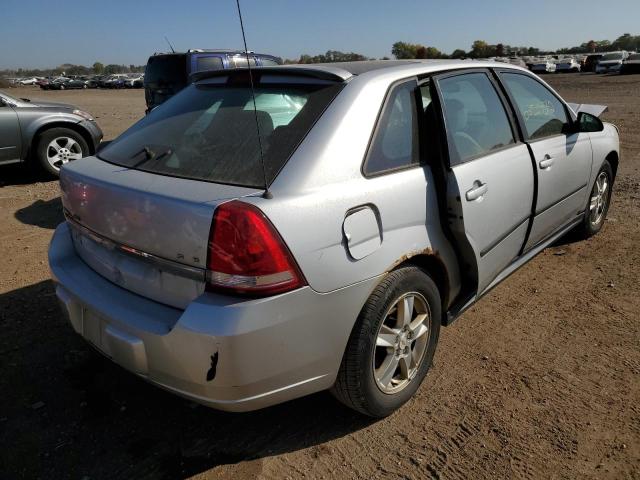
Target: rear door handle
546,162
478,190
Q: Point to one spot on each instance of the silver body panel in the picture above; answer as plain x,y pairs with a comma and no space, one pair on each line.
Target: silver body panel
147,309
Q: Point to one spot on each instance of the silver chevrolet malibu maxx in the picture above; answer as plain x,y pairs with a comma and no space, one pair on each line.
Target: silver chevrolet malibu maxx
270,233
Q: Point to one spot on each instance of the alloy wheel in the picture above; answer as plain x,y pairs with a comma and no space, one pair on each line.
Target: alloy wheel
401,342
62,150
599,199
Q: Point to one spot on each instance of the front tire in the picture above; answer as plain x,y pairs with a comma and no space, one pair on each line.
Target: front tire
58,146
598,202
392,344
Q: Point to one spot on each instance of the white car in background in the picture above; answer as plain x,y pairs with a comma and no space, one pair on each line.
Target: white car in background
611,62
28,81
568,64
543,66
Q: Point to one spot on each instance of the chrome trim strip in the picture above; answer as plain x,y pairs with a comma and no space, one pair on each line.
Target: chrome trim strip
160,263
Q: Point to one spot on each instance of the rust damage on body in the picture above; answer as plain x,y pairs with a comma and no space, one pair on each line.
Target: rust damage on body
408,256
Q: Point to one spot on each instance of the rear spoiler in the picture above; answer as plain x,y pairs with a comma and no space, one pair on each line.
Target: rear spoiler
595,110
330,74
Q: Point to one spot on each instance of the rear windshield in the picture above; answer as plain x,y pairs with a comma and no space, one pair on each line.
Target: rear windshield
612,56
166,69
208,131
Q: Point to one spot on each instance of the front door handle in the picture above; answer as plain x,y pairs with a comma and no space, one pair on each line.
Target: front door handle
478,190
546,162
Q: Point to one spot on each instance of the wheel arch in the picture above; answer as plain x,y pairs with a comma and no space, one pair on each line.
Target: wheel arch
33,145
433,266
613,158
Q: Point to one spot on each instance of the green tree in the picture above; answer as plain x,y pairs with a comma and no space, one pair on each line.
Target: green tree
402,50
479,49
458,53
98,68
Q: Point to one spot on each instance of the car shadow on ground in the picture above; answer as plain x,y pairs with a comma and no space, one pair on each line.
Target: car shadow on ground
19,174
72,412
42,213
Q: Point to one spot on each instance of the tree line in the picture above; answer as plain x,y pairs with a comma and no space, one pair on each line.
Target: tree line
400,50
97,68
479,49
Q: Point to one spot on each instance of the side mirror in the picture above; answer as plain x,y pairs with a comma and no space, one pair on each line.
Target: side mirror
588,123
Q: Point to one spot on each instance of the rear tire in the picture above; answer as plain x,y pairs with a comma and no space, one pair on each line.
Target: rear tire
597,203
392,344
71,146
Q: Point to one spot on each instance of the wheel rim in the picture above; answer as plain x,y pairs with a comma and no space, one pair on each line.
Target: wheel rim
599,199
401,342
63,150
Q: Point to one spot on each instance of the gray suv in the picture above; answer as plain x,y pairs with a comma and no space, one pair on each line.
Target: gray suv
45,133
374,202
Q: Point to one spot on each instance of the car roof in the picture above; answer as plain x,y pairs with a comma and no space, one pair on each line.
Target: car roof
383,67
390,70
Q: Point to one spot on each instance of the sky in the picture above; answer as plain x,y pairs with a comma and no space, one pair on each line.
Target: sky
47,33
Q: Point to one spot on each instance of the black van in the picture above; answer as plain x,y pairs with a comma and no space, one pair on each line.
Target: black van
168,73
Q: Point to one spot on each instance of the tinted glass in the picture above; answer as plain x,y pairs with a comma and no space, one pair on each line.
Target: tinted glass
395,143
208,132
267,62
240,61
166,69
475,118
205,63
543,114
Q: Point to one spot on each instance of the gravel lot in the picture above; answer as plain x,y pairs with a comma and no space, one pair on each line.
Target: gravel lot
541,379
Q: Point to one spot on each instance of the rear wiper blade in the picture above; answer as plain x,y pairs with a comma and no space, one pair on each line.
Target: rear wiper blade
149,154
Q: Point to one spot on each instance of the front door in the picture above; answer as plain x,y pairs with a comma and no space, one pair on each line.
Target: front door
490,182
10,138
563,159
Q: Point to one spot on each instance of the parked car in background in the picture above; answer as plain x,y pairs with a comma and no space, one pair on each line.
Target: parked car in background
168,73
28,81
611,62
53,84
69,84
134,81
566,65
543,66
45,134
243,267
631,64
590,62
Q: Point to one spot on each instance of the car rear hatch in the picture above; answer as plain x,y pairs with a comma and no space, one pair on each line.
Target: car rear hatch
144,232
141,211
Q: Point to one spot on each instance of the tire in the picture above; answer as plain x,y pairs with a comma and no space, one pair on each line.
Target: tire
592,223
75,148
360,383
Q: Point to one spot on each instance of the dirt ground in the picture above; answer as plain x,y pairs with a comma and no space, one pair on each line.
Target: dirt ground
541,379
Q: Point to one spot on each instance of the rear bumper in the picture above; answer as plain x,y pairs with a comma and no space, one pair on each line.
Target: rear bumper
229,353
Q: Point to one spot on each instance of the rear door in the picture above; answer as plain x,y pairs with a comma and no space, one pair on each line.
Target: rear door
563,160
490,178
10,137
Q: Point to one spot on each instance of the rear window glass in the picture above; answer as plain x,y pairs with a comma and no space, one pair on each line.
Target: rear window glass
205,63
208,131
166,69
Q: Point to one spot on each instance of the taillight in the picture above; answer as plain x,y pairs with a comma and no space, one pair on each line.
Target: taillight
247,255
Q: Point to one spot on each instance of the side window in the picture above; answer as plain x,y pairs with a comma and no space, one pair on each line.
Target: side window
541,111
475,117
395,143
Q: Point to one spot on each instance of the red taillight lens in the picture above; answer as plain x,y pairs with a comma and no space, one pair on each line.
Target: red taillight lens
247,255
